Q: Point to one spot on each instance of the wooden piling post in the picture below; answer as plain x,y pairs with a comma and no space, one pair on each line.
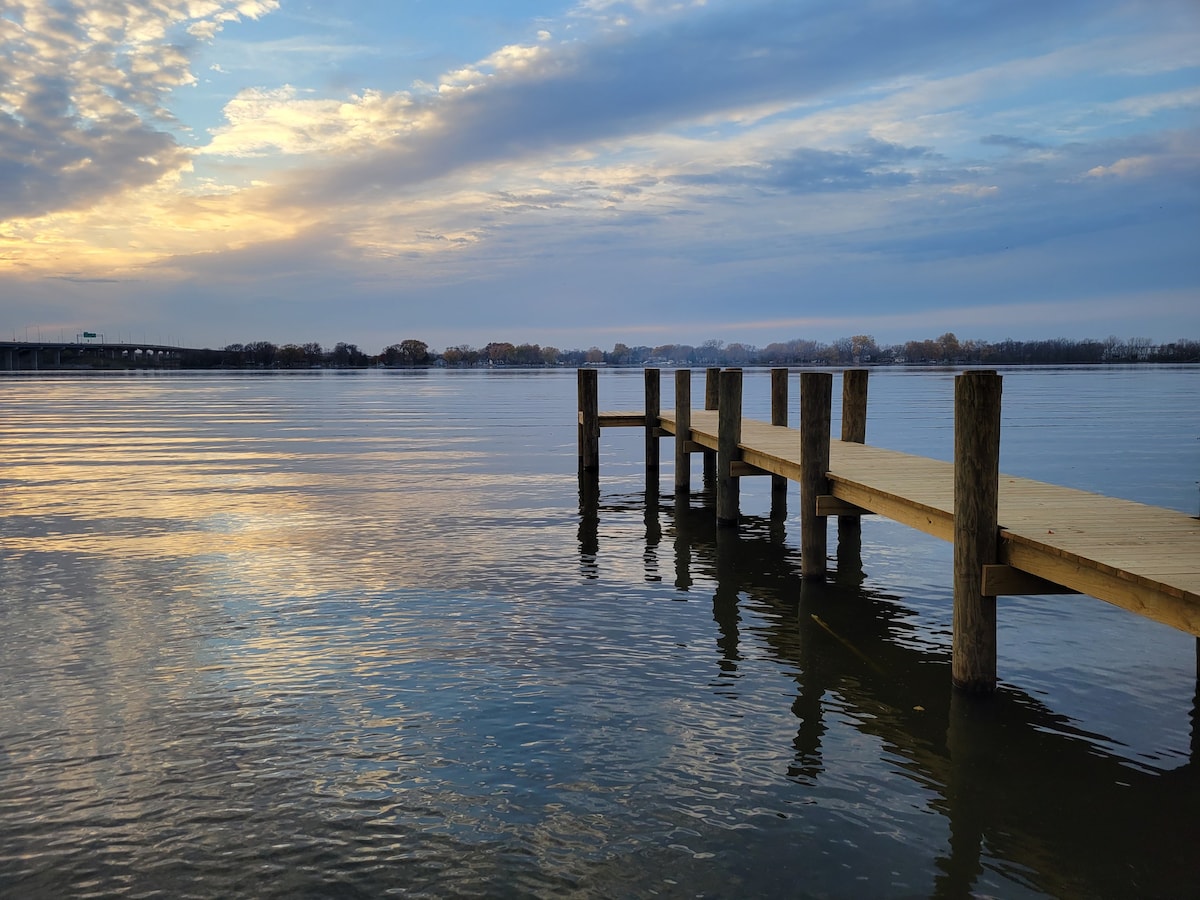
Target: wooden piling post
589,420
854,431
683,431
854,406
976,535
779,416
653,407
729,435
712,393
712,388
816,403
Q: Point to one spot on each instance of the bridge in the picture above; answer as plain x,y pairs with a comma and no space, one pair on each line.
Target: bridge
40,355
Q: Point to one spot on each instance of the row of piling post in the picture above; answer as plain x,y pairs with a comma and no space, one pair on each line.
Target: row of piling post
976,477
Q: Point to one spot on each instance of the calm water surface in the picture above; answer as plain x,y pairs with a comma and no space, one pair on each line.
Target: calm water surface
360,634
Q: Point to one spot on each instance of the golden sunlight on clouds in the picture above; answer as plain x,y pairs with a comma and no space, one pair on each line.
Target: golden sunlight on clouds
1130,167
512,59
141,229
264,121
149,229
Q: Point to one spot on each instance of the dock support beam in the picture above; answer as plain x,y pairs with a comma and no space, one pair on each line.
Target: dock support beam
816,403
712,395
589,420
779,416
976,527
653,407
729,435
683,431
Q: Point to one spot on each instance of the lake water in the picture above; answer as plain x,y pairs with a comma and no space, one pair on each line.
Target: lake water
367,633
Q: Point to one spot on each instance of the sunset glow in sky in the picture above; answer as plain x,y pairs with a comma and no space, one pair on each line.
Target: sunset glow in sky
578,172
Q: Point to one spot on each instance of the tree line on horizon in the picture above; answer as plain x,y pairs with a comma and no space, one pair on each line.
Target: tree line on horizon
859,349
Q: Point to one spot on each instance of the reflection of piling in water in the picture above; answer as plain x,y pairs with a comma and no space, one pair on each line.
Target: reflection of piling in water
683,547
1054,540
589,523
653,532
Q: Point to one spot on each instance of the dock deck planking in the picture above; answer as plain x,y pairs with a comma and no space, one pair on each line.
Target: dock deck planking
1143,558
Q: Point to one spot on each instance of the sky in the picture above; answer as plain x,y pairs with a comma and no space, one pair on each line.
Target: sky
586,172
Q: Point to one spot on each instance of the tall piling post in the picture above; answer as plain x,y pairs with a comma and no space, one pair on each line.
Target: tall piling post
589,420
779,416
712,400
854,431
683,431
976,527
816,404
653,408
729,435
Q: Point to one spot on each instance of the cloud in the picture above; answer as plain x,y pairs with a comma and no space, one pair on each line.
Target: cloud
1029,318
54,158
1150,104
1134,166
83,87
1010,142
869,165
1175,156
261,122
75,279
629,83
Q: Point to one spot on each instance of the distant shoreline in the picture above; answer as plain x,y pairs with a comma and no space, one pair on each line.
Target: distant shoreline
860,350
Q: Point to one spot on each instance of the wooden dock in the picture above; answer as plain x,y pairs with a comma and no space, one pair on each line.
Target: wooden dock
1011,535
